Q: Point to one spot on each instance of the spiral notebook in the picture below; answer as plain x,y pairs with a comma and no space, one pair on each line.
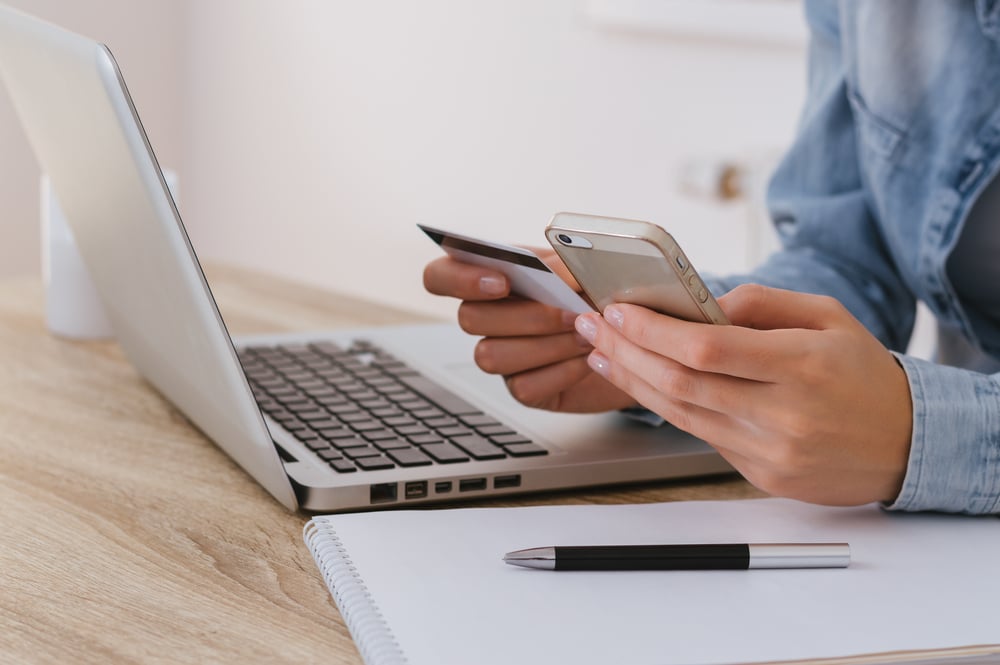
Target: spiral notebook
429,587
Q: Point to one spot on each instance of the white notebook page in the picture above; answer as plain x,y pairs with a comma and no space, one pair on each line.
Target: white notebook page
915,582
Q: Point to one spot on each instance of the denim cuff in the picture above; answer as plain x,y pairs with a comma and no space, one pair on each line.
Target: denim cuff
954,463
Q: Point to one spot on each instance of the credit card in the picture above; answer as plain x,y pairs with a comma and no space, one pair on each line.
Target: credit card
529,276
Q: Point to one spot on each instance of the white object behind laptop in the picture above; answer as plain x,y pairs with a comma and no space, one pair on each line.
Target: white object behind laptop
80,120
73,307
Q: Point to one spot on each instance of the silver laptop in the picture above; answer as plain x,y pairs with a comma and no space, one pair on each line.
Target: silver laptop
348,420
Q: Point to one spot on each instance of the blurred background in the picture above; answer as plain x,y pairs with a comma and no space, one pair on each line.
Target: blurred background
310,136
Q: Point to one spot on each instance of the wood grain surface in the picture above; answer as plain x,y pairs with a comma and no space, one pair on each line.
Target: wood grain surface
128,537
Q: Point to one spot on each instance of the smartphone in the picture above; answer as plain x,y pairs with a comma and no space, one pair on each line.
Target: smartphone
629,261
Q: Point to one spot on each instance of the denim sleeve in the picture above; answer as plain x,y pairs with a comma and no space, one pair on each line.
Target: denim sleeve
954,461
832,244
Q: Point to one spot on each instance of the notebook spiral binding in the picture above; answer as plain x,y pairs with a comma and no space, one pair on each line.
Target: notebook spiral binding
365,622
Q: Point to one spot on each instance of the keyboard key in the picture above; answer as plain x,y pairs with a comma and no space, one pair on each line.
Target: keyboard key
332,399
525,449
373,405
363,395
375,463
399,421
352,442
329,423
351,386
398,369
315,415
478,447
454,431
336,432
490,430
311,384
379,434
409,457
424,439
342,409
446,421
315,443
329,454
301,404
392,388
445,453
342,465
355,416
366,425
268,384
403,396
326,348
444,398
507,439
424,414
363,451
388,412
323,391
478,420
392,444
416,405
295,426
411,430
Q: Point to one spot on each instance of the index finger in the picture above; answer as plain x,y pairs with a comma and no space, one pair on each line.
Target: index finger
759,355
447,277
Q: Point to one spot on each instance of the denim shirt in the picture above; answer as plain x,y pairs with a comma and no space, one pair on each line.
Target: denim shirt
899,136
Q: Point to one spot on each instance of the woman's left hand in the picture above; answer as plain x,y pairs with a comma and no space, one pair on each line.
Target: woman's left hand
797,395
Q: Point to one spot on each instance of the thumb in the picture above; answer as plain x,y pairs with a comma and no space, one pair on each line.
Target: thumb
766,308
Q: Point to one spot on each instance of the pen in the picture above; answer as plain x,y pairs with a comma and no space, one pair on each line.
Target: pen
684,557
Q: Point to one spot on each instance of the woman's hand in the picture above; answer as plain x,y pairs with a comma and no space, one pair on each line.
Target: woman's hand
533,346
797,395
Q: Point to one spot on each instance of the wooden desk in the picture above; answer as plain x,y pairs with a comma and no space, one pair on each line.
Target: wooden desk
128,537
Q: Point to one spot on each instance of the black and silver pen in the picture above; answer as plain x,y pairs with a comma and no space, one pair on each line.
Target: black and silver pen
684,557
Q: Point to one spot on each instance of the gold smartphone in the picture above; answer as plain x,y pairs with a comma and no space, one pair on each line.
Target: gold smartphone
629,261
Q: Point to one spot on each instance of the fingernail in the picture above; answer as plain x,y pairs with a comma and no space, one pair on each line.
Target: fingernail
586,327
492,286
599,363
614,316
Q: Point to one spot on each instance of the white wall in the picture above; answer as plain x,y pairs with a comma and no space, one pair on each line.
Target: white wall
317,133
145,36
311,135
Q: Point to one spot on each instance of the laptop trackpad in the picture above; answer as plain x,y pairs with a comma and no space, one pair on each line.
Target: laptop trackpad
609,433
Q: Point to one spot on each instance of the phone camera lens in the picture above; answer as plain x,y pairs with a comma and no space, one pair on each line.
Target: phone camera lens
565,239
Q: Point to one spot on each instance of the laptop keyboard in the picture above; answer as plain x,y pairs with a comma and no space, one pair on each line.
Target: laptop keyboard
361,409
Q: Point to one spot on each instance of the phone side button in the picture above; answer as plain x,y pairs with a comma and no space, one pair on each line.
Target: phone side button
702,295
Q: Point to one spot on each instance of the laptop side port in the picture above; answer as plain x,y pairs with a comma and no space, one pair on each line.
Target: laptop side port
471,484
416,489
382,493
506,482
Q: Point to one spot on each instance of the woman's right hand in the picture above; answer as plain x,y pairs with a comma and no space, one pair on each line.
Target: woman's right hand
535,347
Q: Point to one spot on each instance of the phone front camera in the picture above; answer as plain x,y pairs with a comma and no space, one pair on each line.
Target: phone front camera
565,239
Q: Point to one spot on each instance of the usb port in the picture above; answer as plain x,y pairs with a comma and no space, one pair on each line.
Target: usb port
471,484
503,482
416,489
